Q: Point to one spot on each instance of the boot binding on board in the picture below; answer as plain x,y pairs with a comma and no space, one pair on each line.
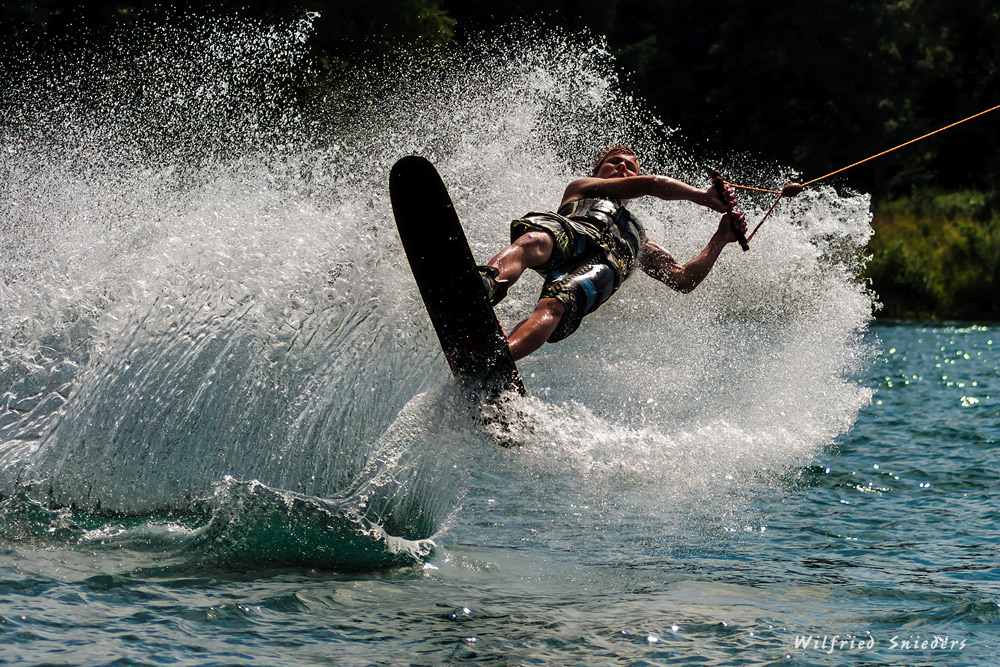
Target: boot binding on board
495,289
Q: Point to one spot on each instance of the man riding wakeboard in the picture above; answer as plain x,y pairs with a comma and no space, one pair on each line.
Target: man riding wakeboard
593,243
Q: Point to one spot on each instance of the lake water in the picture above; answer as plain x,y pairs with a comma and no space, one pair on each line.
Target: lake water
889,537
227,436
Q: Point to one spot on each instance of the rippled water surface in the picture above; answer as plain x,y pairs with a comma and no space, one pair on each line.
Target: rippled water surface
890,535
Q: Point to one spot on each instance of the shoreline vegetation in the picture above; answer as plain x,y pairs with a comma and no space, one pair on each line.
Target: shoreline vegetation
935,255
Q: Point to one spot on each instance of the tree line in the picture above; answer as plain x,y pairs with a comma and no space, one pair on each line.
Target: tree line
812,85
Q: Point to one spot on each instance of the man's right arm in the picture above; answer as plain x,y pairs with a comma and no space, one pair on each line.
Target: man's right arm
633,187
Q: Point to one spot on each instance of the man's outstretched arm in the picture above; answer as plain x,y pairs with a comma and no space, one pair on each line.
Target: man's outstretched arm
660,264
661,187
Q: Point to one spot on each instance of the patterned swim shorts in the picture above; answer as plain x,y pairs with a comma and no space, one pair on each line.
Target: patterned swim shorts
578,273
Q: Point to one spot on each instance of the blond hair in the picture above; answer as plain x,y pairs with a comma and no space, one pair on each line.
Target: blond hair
617,149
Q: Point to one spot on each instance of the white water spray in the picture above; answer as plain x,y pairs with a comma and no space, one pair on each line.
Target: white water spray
199,282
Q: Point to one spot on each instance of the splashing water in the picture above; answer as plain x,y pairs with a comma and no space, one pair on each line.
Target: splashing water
204,306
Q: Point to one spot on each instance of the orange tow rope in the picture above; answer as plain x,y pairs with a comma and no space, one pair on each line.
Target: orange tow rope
911,141
850,166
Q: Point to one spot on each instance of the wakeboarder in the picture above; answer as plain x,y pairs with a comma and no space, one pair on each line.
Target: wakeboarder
587,250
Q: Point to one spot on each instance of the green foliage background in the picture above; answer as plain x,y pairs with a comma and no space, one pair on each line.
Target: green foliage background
936,255
813,85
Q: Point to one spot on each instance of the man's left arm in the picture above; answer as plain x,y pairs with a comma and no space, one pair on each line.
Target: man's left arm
661,265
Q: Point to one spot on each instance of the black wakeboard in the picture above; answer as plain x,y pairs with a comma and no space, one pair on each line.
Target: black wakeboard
448,279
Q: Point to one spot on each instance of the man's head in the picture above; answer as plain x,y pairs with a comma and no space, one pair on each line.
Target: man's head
613,156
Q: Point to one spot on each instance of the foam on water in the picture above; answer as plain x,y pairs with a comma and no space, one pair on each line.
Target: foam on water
202,284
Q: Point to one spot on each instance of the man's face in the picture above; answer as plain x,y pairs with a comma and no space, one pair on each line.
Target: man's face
619,165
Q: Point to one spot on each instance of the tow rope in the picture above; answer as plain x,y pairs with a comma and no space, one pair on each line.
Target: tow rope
793,189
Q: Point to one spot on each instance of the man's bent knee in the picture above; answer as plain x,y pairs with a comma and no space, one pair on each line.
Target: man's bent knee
537,247
551,308
532,333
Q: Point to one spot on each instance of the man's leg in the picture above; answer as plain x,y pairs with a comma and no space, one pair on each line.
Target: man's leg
532,333
531,249
567,296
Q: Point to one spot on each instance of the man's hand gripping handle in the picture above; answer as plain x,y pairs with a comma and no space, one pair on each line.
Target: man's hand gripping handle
720,188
